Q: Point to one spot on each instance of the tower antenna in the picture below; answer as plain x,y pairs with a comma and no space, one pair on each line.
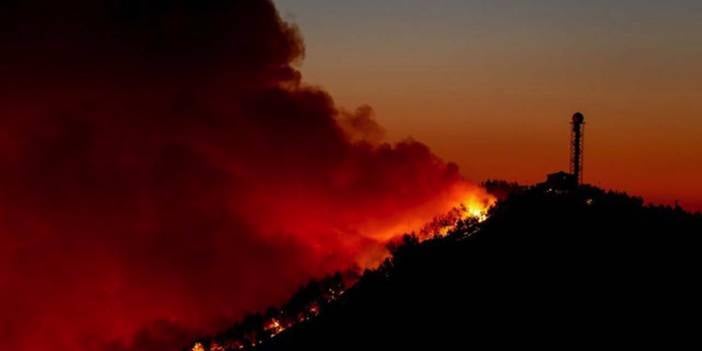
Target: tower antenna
577,145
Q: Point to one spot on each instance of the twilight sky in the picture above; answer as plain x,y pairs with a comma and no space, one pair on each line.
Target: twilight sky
491,84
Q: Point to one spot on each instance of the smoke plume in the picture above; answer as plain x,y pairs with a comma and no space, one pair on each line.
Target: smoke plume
164,169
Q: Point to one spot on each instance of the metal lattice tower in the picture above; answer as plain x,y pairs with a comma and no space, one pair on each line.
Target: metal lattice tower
577,143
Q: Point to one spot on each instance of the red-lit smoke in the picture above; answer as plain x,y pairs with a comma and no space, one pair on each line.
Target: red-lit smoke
163,169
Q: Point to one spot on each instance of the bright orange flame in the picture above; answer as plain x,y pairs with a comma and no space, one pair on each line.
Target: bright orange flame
198,347
274,327
464,202
478,207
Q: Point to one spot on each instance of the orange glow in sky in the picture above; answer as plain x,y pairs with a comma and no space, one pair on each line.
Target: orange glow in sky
492,85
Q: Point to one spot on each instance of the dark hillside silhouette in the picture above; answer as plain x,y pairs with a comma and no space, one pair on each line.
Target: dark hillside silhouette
548,269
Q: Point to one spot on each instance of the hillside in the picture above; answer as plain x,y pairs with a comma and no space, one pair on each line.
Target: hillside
547,268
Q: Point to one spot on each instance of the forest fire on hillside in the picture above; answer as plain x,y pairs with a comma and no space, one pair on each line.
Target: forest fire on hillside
309,302
475,205
138,173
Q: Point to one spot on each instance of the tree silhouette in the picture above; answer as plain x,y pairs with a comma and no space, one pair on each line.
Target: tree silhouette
586,267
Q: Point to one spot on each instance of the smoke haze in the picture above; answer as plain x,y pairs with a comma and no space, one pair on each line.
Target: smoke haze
164,170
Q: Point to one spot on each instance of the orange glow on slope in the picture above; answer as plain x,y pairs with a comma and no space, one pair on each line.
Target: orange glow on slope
471,203
463,203
478,208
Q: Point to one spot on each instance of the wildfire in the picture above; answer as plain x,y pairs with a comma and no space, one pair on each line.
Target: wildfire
476,208
473,205
463,202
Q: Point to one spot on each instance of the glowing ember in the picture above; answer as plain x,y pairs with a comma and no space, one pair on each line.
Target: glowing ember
274,327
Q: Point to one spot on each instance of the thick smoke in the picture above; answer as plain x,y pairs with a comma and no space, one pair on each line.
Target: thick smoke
164,170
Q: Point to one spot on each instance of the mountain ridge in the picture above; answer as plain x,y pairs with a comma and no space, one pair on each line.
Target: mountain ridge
549,267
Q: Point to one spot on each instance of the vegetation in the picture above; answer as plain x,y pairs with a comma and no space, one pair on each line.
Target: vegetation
547,269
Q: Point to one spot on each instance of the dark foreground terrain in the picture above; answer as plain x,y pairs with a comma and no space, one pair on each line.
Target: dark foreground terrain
547,269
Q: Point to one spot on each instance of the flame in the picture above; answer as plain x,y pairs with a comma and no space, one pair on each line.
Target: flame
477,208
274,327
465,202
472,204
468,203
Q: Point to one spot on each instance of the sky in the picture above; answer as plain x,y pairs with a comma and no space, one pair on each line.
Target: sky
491,85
